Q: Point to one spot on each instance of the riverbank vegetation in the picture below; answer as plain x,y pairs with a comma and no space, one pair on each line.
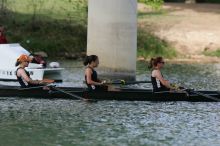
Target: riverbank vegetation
213,53
149,45
60,27
56,27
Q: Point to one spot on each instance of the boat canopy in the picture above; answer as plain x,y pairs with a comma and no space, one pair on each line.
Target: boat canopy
10,53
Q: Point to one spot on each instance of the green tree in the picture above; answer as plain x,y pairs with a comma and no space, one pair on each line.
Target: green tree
36,6
3,4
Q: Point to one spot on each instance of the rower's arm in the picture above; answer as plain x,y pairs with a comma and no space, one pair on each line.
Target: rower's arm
28,79
162,80
89,78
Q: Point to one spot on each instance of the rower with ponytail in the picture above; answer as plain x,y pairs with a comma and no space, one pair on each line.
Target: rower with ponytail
17,63
89,59
91,76
154,61
157,79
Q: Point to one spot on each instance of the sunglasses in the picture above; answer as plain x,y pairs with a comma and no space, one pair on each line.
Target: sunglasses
162,62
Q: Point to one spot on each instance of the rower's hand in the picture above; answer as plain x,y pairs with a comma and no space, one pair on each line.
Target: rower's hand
103,82
122,82
175,87
48,81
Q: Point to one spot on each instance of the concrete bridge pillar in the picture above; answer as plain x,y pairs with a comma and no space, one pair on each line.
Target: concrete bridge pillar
112,35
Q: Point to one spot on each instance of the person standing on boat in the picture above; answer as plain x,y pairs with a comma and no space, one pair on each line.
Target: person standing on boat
38,59
157,79
23,76
91,76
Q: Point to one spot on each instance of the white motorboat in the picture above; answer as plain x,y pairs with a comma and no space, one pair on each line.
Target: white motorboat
8,55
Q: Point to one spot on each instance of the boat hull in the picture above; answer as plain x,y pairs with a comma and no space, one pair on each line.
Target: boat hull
123,95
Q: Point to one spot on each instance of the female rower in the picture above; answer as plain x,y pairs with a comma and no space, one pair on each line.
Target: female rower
157,79
91,76
24,77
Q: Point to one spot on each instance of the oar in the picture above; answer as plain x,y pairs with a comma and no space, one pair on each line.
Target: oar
123,82
73,95
37,87
201,94
206,96
195,92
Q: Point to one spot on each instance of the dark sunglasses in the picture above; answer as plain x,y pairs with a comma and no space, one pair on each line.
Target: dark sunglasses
162,62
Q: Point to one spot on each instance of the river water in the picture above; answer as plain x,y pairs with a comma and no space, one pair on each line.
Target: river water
43,122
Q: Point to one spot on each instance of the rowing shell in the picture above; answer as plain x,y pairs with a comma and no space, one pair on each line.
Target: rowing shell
124,94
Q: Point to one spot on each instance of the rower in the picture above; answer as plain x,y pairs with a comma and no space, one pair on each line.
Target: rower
157,79
91,76
23,76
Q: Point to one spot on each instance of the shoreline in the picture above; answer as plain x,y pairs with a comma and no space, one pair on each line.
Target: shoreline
181,60
196,59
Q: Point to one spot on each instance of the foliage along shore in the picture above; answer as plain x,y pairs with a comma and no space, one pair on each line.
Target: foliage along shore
59,28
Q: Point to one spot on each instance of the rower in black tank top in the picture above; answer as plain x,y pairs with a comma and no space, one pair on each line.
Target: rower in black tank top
21,81
157,85
157,79
91,76
94,77
23,76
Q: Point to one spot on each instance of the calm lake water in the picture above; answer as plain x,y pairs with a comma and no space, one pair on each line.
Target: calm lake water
42,122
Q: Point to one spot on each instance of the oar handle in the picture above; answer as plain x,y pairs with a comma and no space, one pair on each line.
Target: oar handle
48,81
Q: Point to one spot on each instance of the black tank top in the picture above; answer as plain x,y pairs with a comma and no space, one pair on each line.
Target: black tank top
157,85
94,77
21,81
